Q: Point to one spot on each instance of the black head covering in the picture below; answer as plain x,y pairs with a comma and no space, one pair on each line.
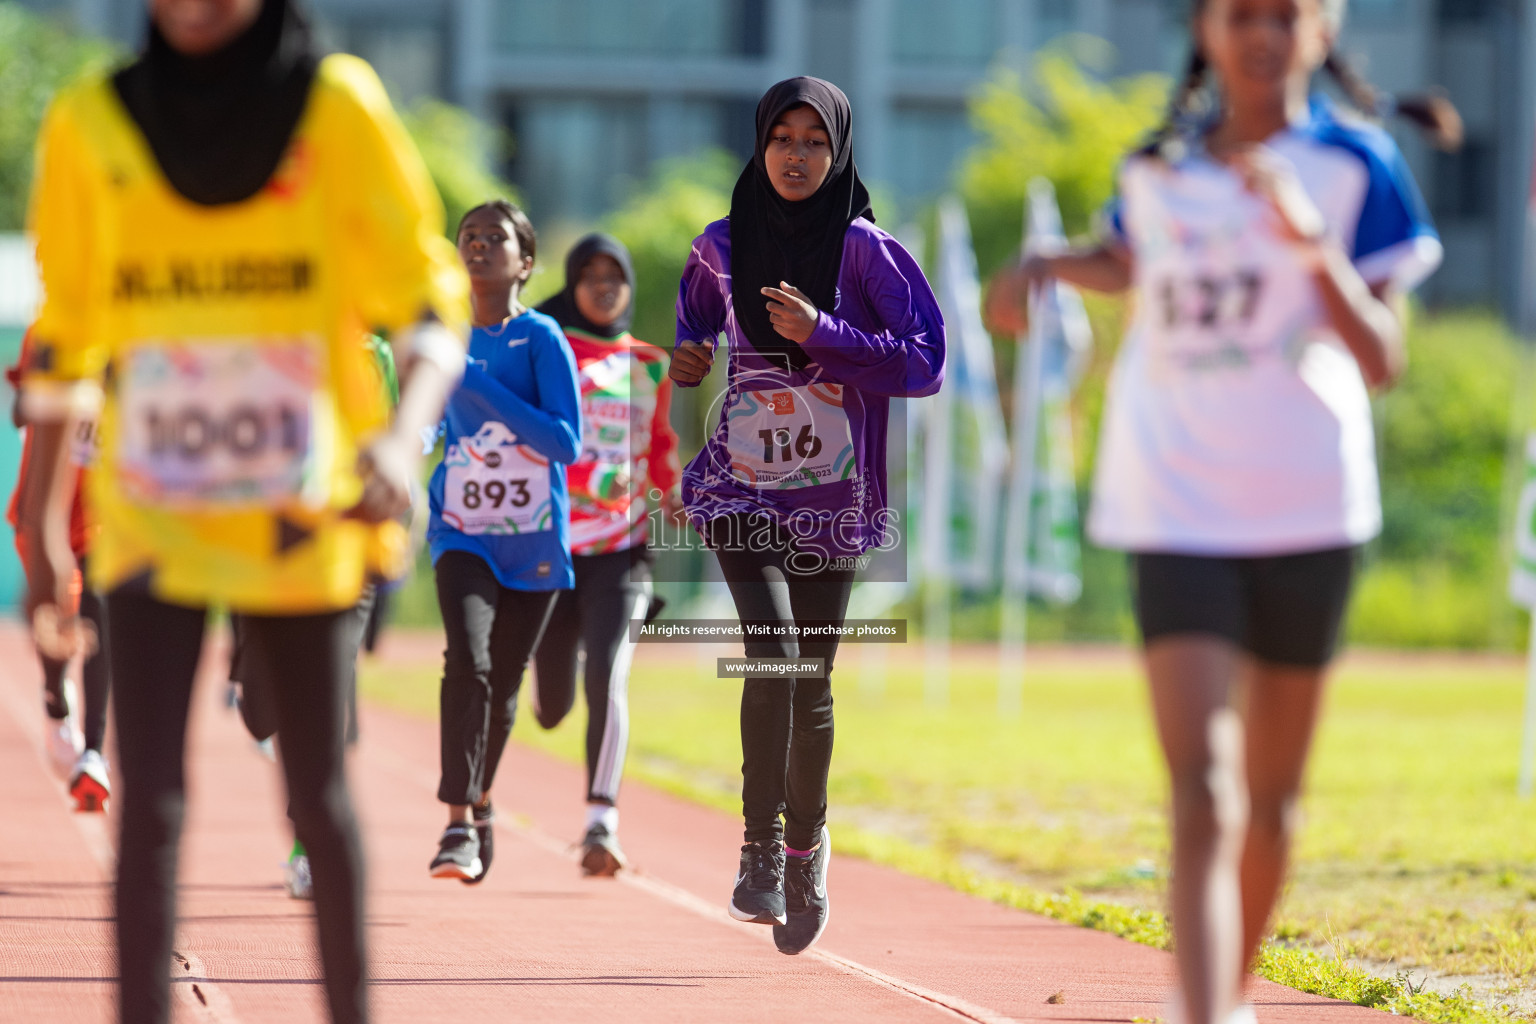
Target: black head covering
219,124
562,306
773,239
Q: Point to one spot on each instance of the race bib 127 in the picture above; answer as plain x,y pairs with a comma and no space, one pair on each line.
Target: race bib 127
221,423
495,485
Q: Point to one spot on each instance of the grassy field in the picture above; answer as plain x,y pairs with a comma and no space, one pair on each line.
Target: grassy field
1415,852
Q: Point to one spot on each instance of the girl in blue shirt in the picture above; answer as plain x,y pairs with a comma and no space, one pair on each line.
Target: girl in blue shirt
500,526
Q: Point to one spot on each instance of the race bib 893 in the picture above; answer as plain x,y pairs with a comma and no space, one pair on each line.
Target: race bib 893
495,485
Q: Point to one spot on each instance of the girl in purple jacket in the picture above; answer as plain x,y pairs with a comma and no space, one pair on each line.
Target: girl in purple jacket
826,318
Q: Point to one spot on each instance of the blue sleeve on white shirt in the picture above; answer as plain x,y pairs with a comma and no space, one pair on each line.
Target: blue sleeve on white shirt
1395,238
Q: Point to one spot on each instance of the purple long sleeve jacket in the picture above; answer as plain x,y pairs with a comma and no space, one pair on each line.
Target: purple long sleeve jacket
808,447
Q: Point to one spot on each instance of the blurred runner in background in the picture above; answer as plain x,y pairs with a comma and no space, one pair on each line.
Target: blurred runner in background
75,734
1271,237
628,448
218,226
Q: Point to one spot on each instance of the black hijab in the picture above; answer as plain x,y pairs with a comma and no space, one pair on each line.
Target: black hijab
219,124
773,239
562,306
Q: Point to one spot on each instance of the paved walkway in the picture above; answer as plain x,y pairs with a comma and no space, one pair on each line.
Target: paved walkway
536,942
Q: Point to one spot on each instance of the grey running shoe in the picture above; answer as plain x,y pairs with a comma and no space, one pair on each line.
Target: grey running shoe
759,894
458,854
601,854
805,899
485,819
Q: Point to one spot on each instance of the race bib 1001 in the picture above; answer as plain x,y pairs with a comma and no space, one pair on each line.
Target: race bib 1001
782,438
495,485
222,423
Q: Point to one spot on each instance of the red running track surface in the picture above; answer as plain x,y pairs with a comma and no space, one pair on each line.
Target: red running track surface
535,942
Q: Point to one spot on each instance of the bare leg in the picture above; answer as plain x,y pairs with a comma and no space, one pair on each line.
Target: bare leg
1283,703
1191,678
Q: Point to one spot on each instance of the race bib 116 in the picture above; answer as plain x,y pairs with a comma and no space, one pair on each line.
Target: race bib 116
494,485
782,438
218,423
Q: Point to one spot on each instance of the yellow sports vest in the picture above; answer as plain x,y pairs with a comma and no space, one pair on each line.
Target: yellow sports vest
230,342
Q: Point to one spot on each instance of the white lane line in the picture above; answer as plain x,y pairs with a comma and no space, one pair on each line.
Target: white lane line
188,976
953,1006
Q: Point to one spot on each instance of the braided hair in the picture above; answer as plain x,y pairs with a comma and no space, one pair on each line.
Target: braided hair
1432,112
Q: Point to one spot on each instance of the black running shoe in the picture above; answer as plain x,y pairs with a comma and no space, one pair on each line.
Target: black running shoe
484,819
805,899
600,852
458,854
759,894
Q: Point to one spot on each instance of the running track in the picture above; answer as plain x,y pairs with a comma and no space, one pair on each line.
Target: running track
536,942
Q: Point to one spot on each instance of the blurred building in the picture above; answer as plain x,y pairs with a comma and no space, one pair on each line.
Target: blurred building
595,91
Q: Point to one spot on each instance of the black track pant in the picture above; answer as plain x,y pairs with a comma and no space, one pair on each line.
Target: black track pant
95,673
256,703
786,724
307,658
593,621
492,631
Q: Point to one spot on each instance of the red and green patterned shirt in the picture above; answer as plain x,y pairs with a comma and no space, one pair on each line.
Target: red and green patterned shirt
628,446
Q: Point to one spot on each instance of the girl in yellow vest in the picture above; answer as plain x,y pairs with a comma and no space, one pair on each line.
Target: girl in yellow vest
218,225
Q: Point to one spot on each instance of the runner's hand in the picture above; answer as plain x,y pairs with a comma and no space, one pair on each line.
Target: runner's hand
791,312
691,362
53,606
1273,178
387,465
1006,307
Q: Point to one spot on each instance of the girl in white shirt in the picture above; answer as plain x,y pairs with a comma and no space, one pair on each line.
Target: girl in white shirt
1271,241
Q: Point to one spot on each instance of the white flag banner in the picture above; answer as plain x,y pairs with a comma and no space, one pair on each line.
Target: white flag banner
1042,494
977,450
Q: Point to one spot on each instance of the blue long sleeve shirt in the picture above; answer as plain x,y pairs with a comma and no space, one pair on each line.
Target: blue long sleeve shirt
511,427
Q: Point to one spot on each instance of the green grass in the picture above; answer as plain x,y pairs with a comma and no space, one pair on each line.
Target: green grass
1415,851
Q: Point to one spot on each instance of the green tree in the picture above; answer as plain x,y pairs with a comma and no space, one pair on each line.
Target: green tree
460,152
1060,123
37,56
659,223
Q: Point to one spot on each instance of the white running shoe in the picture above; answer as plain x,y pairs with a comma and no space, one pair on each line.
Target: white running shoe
65,741
90,784
296,877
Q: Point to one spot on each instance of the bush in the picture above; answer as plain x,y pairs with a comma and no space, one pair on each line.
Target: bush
37,56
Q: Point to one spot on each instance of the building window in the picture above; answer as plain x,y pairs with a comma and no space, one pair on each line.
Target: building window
1056,17
1465,182
1464,12
930,140
957,32
658,28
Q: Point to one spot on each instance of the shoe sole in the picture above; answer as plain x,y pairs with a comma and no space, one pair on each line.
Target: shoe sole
455,871
599,862
814,938
746,918
90,796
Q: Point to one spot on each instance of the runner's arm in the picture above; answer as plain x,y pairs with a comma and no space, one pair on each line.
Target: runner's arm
907,359
554,430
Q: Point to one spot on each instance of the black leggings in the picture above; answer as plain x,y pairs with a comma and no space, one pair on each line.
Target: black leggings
256,707
611,590
492,630
95,674
307,658
786,724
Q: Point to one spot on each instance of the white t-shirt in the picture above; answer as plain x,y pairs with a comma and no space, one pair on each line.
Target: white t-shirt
1237,421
